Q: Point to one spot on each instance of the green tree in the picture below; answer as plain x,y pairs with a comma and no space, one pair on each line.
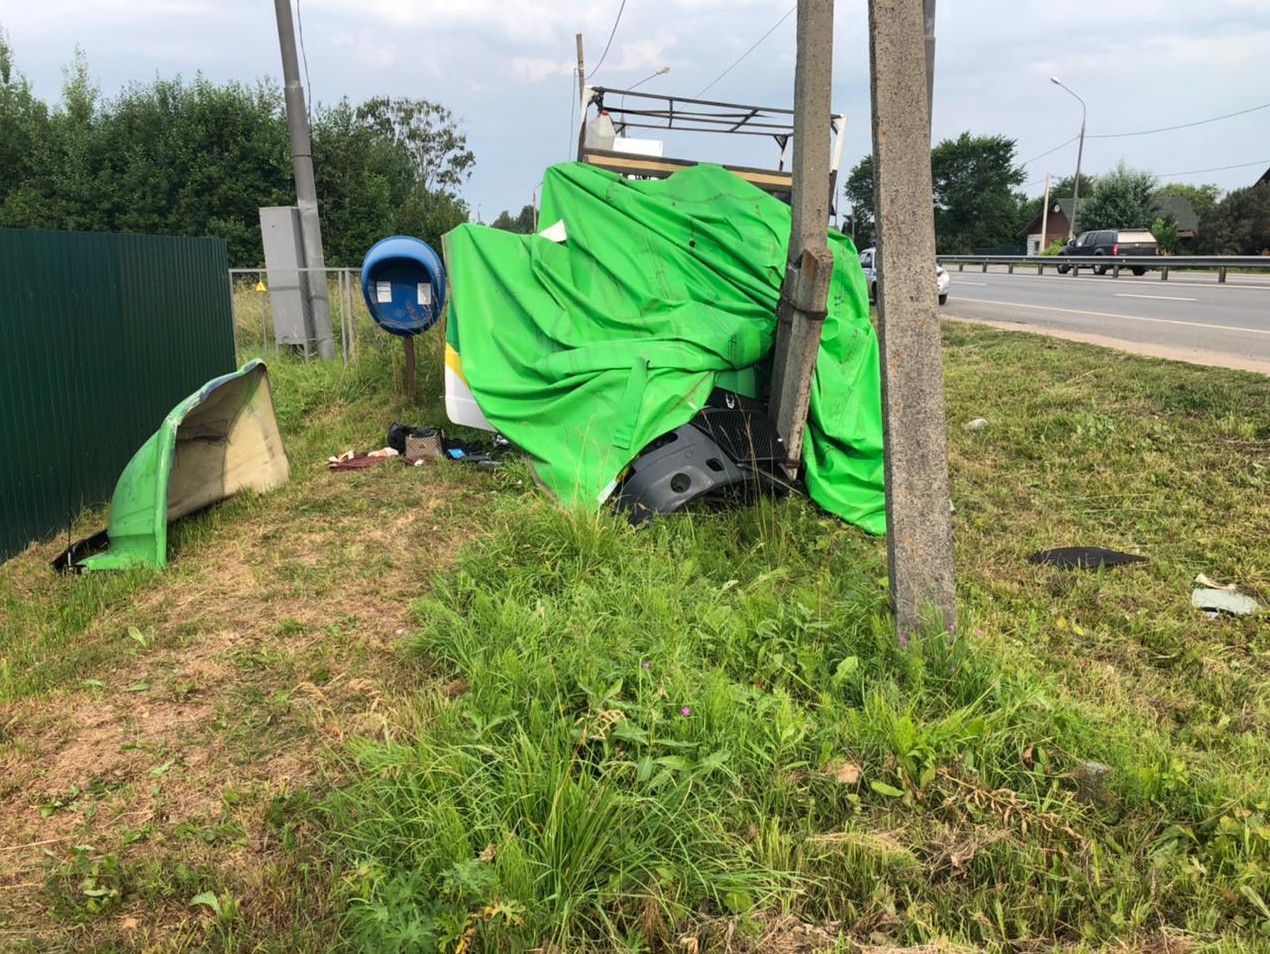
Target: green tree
859,192
974,179
364,180
1239,224
975,202
522,223
194,158
1202,197
1124,198
58,189
24,122
1064,188
429,132
199,158
1165,230
429,215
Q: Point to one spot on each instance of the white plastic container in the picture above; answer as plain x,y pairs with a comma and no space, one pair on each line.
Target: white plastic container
600,132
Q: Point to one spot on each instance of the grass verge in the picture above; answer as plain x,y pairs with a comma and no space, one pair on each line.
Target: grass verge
704,735
699,736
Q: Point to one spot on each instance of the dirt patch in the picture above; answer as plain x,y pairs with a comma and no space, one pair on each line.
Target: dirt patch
269,640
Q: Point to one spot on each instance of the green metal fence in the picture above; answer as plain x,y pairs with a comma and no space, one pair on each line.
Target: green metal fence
100,336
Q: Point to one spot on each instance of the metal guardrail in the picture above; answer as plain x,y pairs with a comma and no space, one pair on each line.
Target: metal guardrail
1074,263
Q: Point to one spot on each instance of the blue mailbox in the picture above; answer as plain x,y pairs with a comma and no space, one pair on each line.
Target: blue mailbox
403,281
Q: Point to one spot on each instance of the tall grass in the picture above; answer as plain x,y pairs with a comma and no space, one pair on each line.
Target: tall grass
710,722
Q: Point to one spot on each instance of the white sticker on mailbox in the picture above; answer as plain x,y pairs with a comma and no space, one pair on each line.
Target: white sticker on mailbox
425,293
383,292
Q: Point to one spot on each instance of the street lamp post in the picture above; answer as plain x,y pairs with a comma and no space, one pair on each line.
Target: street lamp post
660,72
1080,151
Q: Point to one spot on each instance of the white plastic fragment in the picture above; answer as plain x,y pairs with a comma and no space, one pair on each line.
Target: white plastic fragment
1214,602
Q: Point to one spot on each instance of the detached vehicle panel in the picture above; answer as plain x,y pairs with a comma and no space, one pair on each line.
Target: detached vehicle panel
869,262
1112,243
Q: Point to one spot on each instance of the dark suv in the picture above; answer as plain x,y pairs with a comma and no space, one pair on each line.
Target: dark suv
1113,242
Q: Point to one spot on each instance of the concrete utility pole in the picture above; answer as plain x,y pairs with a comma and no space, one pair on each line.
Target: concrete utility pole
1080,153
919,522
805,292
577,37
305,187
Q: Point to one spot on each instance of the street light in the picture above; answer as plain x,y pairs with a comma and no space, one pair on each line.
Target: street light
660,72
664,69
1080,151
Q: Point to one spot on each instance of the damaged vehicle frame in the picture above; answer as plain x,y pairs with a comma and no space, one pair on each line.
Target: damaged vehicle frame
731,447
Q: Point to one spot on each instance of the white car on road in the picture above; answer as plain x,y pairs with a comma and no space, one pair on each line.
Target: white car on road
869,262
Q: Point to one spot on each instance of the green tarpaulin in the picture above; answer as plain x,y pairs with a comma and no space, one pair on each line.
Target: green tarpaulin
582,351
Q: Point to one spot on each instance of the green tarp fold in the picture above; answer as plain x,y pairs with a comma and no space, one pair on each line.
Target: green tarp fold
582,351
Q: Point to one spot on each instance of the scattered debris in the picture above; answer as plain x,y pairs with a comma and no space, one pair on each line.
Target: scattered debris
978,424
1217,602
1091,779
1202,580
351,460
730,445
416,446
843,772
1084,558
417,443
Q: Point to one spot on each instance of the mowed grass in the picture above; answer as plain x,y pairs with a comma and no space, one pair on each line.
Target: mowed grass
164,736
699,736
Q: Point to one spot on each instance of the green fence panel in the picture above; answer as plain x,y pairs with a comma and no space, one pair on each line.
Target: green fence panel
100,336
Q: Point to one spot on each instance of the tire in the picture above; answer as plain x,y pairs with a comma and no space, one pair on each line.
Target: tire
1064,269
1100,269
943,299
1139,271
873,293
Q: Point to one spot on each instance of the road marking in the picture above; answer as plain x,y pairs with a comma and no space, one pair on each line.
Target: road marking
1155,297
1103,314
962,281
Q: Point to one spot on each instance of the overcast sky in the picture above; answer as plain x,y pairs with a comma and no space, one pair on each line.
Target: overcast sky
505,69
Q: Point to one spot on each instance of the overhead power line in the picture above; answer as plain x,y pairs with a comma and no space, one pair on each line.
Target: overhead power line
612,33
1055,149
305,56
755,46
1148,132
1198,122
1195,172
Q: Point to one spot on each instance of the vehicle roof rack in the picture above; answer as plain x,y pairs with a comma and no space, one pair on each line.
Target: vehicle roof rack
631,109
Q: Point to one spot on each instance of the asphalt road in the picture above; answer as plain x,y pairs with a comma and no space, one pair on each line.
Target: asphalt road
1189,317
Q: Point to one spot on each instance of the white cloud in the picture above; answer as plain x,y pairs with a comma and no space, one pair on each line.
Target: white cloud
537,69
506,67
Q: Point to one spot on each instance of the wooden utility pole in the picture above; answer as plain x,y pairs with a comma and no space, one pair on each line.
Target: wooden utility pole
805,292
919,521
305,186
1045,218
